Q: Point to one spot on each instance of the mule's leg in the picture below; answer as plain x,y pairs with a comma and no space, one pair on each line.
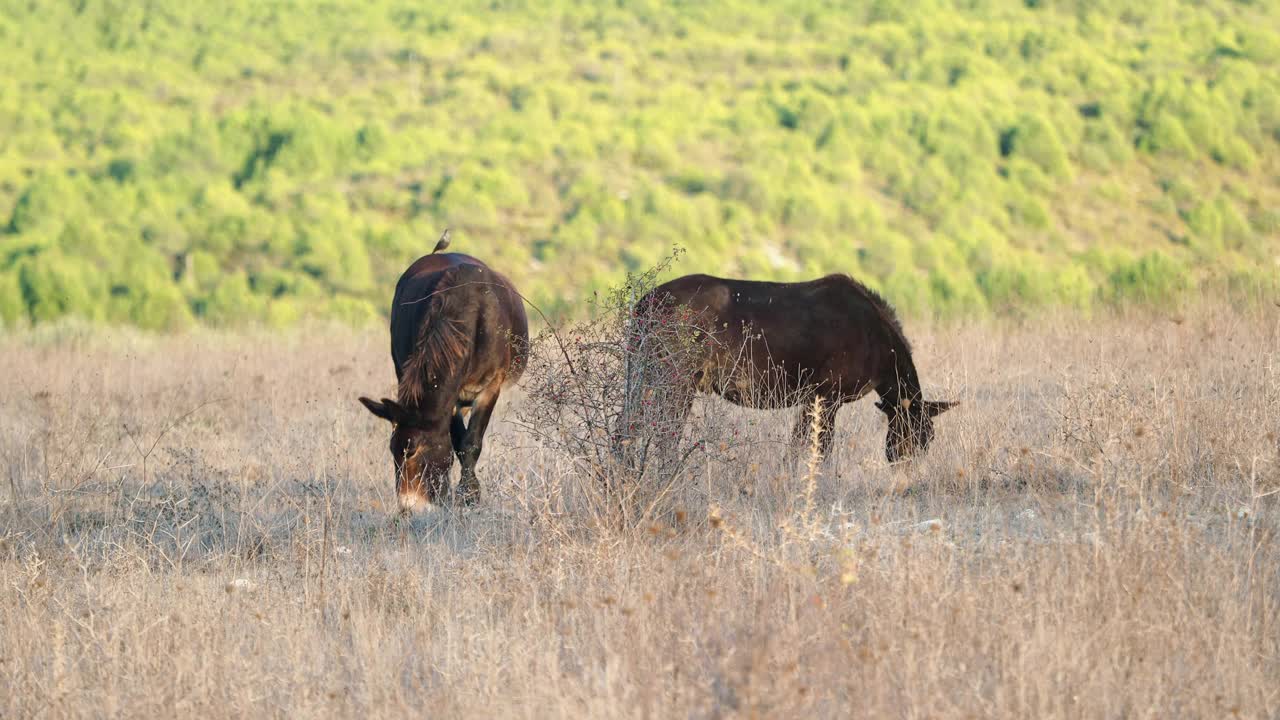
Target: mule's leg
802,435
457,431
827,424
473,442
671,416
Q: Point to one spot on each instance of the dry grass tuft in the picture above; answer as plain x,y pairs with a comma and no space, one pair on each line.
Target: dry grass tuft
203,524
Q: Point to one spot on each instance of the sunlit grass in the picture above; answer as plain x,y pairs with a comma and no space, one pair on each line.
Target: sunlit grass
1092,534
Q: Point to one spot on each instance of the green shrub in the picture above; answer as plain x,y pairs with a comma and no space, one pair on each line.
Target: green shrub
908,290
257,165
953,290
203,270
1026,209
158,307
1105,145
1018,279
1235,152
1236,232
1036,139
1168,135
47,199
1152,277
931,189
1205,222
54,285
808,211
282,312
887,253
350,310
1072,287
13,310
232,302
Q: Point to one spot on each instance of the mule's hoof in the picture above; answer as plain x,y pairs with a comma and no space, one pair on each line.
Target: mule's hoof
468,494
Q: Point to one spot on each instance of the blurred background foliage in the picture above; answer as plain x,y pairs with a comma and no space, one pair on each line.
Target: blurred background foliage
164,163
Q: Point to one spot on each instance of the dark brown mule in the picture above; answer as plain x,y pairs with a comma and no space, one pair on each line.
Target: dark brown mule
782,344
458,334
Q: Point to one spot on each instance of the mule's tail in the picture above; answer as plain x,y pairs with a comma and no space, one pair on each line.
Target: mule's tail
446,335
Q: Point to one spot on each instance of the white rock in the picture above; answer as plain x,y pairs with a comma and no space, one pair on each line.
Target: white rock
240,585
933,525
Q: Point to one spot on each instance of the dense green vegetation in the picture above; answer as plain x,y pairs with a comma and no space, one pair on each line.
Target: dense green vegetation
165,162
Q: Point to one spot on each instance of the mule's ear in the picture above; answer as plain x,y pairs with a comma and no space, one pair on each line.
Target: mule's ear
937,407
388,410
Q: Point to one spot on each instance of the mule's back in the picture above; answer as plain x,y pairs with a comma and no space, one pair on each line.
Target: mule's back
467,287
412,300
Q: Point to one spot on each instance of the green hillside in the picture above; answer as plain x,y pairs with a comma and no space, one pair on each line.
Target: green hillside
165,162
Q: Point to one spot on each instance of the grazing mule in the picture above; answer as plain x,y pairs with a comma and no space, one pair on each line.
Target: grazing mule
458,334
781,344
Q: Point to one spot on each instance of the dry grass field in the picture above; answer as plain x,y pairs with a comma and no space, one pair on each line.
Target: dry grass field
202,524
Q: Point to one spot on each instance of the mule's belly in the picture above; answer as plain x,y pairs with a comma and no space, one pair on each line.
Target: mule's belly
776,388
755,401
752,386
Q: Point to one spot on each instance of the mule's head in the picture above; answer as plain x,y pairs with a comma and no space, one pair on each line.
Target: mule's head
910,426
422,455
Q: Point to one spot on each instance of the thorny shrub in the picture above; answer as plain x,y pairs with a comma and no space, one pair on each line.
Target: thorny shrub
614,393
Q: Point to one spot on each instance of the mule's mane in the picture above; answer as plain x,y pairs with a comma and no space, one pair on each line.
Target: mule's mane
441,344
882,306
